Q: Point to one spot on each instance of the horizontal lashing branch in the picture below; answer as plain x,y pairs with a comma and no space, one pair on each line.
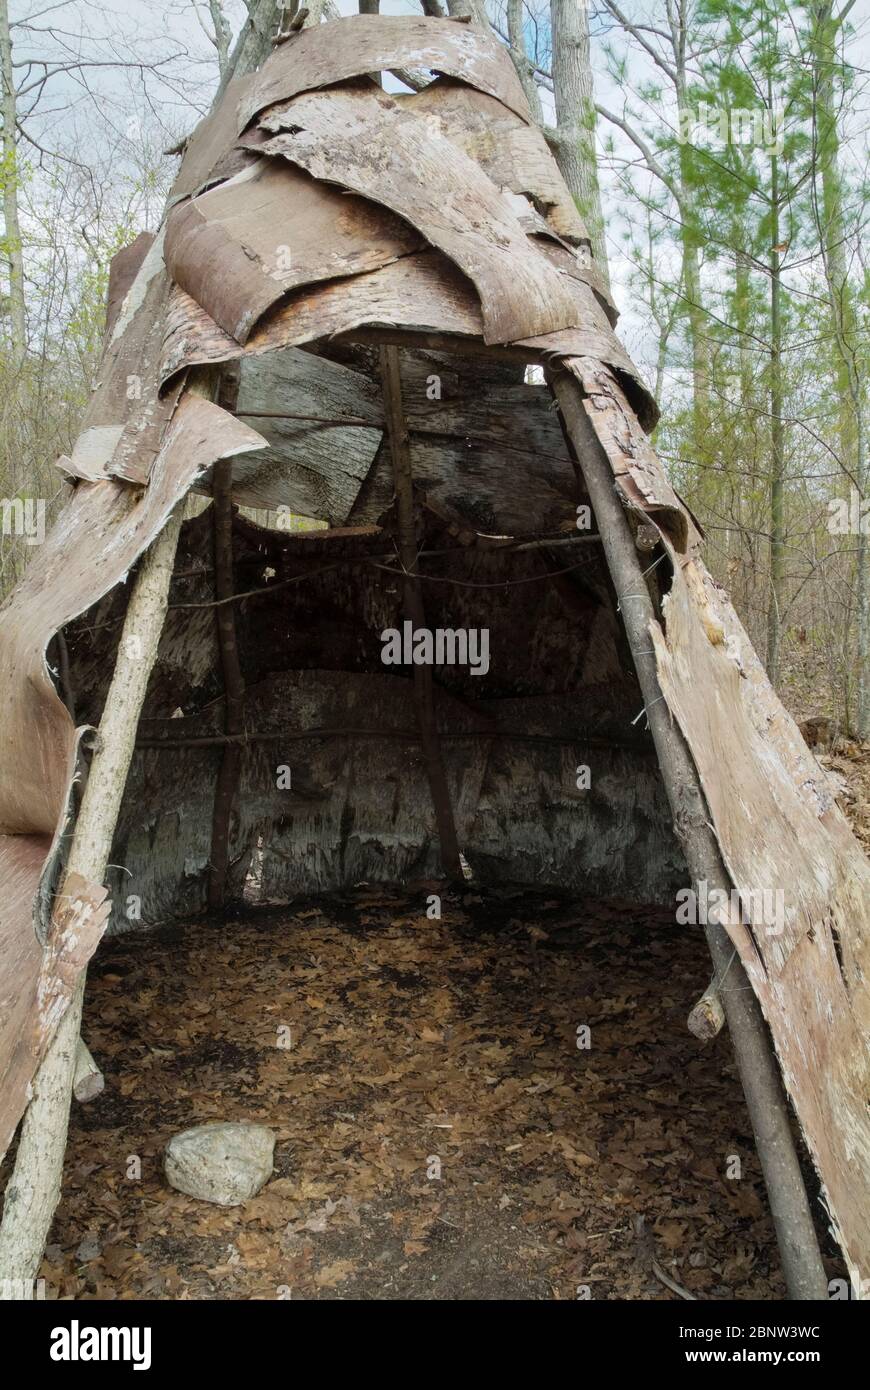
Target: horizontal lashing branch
377,559
399,735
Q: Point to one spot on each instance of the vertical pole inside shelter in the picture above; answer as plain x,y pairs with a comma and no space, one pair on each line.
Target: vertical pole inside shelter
414,608
228,647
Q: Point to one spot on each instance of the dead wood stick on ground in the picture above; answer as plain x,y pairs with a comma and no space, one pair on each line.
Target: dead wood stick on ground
670,1283
34,1188
647,1256
759,1071
424,693
708,1016
88,1081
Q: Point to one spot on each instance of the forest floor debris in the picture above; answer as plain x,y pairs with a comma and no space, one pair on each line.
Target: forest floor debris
440,1133
849,761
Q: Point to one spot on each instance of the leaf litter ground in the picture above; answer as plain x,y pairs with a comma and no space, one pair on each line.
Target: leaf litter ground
384,1048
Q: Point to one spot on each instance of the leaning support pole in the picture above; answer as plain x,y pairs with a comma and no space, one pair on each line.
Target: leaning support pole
759,1071
33,1190
88,1081
424,692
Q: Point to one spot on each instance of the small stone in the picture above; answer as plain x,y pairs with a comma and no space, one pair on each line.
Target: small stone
224,1163
89,1249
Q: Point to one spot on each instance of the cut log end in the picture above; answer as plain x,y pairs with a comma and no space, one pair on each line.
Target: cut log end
88,1081
708,1016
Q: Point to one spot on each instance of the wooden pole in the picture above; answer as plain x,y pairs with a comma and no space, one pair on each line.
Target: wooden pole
424,693
707,1017
88,1081
234,684
759,1072
33,1190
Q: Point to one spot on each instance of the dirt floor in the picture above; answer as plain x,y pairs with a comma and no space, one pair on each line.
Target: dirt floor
440,1133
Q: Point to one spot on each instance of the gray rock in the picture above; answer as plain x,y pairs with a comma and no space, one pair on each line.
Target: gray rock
222,1163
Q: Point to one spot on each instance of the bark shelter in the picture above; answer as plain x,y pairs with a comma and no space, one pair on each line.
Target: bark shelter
304,248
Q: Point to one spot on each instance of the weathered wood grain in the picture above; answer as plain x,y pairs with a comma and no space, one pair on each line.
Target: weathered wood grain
311,469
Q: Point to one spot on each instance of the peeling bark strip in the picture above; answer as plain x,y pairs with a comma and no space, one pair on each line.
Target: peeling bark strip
374,43
370,144
759,1074
424,696
426,302
241,247
126,417
512,153
211,151
80,915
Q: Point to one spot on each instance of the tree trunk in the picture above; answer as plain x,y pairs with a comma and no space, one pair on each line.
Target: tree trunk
692,269
520,58
12,225
776,549
254,43
475,10
844,322
575,117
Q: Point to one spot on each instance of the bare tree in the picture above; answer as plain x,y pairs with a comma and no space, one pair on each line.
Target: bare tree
574,137
14,254
220,33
